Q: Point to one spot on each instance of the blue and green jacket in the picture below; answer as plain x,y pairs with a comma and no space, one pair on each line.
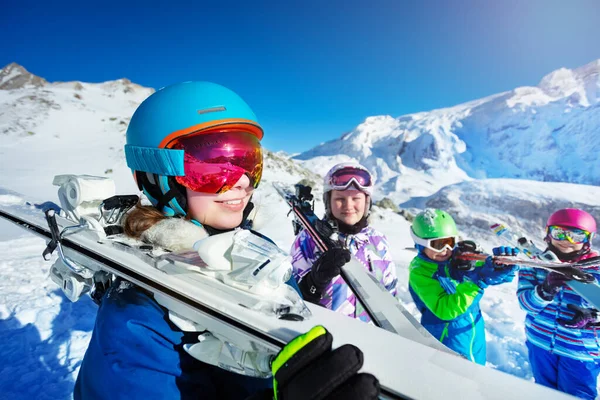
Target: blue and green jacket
449,309
541,326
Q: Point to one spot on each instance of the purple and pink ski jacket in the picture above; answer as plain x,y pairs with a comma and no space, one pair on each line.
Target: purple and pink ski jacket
370,247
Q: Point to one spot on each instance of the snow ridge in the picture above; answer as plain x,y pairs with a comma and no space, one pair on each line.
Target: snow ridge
547,132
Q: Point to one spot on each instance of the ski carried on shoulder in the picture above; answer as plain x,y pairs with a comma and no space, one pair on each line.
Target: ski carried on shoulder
582,282
572,272
233,295
384,310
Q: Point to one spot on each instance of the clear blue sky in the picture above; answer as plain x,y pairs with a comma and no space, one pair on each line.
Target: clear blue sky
311,70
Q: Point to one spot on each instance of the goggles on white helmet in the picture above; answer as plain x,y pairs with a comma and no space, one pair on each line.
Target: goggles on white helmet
345,175
437,245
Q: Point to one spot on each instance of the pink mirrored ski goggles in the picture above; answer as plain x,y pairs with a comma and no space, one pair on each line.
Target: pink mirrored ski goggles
343,178
214,162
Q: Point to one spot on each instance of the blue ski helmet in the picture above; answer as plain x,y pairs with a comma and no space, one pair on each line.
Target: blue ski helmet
182,109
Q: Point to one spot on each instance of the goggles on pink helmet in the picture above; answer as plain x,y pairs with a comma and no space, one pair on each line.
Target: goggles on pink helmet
573,235
573,218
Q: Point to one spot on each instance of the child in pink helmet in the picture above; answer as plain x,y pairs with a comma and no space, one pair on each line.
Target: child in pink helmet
562,329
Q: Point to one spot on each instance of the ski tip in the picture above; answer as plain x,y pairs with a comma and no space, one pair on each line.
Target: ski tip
498,229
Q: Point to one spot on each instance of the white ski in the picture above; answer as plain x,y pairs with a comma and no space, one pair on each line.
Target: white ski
590,291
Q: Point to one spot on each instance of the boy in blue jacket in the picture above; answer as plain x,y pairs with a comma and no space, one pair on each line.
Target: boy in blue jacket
448,296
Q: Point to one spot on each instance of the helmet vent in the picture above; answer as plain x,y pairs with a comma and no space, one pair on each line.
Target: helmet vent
212,109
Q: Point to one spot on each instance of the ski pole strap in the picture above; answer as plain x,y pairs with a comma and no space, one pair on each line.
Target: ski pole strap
52,225
280,366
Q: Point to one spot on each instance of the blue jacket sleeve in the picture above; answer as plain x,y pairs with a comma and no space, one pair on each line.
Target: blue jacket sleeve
136,353
529,300
133,347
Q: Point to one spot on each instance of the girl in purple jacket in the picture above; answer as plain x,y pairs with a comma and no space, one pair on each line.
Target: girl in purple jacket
347,197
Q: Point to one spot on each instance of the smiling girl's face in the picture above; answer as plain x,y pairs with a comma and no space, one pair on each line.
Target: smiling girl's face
348,206
565,246
220,211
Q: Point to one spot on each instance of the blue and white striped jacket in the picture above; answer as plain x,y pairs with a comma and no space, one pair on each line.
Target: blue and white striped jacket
541,326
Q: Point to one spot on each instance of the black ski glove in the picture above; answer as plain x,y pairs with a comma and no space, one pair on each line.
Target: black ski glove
308,369
551,285
327,267
458,267
582,318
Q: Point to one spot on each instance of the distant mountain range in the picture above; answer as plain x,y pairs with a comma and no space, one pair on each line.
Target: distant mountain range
430,159
550,132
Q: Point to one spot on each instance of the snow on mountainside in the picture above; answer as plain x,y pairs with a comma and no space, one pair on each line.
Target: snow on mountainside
522,204
550,132
79,128
48,129
63,127
14,76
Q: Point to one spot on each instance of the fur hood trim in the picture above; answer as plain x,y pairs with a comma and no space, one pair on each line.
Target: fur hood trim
175,234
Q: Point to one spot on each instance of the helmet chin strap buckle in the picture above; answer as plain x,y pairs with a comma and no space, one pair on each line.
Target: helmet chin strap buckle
164,192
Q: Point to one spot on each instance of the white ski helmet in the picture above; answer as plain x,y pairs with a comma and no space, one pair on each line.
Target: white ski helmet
344,175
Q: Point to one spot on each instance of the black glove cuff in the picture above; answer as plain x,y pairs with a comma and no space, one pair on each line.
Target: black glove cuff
543,294
311,292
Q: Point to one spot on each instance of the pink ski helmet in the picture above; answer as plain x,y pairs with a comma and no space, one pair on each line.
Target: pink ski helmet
573,218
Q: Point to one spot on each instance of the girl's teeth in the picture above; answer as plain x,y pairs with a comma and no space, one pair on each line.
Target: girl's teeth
232,202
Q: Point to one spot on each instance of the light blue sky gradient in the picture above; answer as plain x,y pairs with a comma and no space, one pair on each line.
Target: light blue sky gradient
311,70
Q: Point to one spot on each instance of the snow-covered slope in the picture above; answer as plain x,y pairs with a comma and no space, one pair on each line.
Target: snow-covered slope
48,129
64,127
522,204
550,132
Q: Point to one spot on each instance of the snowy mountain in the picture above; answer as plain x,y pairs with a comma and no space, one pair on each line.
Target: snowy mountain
76,127
63,127
549,132
14,76
522,204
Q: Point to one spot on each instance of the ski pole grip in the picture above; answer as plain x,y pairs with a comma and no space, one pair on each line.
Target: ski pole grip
325,231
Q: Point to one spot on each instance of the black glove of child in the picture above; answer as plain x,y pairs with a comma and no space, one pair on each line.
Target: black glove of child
327,267
308,369
458,267
582,318
551,285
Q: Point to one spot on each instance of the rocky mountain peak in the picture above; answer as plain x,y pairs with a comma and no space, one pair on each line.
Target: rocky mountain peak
14,76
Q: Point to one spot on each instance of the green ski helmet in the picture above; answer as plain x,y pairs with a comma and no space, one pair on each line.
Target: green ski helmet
433,224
